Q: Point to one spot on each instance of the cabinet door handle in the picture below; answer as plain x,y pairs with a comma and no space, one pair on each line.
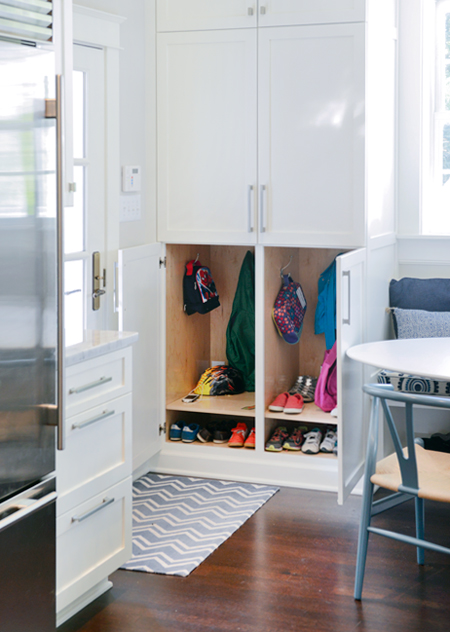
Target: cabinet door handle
86,387
250,11
261,206
82,424
105,502
346,321
251,225
263,10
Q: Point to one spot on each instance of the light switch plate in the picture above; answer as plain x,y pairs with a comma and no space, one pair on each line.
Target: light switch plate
130,208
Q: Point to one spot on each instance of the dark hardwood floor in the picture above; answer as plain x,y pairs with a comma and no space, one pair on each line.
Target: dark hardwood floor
290,567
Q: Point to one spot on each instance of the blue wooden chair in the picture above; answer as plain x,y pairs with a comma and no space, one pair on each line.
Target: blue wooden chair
409,473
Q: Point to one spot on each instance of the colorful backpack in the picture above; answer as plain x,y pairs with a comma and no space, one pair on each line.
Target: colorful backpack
289,310
220,380
199,290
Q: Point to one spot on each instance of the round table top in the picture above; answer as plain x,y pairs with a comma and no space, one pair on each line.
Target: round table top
428,357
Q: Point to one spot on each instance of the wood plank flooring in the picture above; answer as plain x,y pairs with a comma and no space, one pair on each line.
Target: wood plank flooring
290,568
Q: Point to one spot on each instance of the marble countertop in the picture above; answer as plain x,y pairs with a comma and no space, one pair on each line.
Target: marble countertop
96,343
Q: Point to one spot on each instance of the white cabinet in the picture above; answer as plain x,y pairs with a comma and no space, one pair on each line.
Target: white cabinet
188,15
93,480
286,165
311,92
207,136
283,12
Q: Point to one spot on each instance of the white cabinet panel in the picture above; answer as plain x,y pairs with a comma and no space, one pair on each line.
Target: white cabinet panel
311,135
284,12
187,15
140,310
94,539
207,136
97,453
350,283
96,381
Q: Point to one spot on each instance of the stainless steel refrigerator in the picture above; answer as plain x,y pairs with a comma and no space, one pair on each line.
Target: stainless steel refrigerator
30,335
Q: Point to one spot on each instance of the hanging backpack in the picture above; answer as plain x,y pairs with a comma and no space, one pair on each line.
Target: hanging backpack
289,310
325,396
199,290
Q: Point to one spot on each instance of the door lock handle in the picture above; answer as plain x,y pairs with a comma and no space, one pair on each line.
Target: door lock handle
98,293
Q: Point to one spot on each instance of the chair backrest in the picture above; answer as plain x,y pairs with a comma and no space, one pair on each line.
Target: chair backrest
407,462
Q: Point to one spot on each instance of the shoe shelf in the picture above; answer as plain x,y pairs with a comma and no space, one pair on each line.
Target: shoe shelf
310,414
235,405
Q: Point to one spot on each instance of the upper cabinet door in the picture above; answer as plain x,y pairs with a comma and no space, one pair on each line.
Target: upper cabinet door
190,15
285,12
207,137
311,135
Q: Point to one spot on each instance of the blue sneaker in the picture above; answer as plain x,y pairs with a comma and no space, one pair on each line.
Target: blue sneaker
175,431
189,432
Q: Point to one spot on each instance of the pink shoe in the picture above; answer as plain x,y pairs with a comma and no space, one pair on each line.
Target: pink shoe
294,404
278,404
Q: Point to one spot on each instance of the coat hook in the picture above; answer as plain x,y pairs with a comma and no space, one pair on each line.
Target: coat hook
196,258
286,266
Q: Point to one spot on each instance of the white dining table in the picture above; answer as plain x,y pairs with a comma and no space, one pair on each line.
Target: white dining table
428,357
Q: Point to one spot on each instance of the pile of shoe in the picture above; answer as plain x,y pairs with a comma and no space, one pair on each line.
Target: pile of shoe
286,403
310,442
217,432
305,385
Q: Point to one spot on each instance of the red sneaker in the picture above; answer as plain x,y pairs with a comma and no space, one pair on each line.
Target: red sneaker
239,434
278,404
294,404
250,441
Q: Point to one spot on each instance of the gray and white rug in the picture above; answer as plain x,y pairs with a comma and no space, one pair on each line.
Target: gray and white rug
179,521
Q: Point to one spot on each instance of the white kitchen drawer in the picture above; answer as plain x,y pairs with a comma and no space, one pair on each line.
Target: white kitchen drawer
97,453
93,540
96,381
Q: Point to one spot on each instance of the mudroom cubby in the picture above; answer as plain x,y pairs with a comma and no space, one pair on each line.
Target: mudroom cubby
198,341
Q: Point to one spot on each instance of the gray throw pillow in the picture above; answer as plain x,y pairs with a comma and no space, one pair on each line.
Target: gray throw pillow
416,323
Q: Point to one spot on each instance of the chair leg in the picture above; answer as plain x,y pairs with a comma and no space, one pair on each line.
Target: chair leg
420,528
366,511
363,537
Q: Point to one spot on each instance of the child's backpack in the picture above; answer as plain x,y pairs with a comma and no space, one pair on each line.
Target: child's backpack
289,310
199,290
325,396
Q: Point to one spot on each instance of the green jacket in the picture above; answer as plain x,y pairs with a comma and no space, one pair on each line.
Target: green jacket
241,326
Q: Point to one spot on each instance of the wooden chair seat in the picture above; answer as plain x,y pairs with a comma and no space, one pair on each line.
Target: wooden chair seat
433,469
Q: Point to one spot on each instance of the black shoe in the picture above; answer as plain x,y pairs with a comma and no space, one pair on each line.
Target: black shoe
222,432
204,435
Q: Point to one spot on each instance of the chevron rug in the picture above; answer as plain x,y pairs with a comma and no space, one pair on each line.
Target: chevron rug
179,521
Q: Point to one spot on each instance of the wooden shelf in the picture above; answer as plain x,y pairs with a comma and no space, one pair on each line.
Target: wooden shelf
310,414
234,405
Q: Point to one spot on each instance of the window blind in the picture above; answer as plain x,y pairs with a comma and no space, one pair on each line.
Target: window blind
26,19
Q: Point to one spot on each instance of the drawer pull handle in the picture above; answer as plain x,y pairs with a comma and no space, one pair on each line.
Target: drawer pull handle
88,422
105,502
86,387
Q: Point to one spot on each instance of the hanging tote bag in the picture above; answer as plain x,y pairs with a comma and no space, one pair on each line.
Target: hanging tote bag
325,396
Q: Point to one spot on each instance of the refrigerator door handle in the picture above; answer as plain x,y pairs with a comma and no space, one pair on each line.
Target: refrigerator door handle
60,259
23,508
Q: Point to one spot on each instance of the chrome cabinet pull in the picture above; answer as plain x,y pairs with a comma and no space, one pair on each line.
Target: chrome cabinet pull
82,424
262,211
60,261
250,11
263,10
251,226
105,502
346,321
86,387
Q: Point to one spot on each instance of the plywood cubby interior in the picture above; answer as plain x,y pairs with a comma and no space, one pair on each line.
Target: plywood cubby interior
195,342
285,362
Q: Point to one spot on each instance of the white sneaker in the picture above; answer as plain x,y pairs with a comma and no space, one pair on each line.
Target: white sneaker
329,442
312,442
